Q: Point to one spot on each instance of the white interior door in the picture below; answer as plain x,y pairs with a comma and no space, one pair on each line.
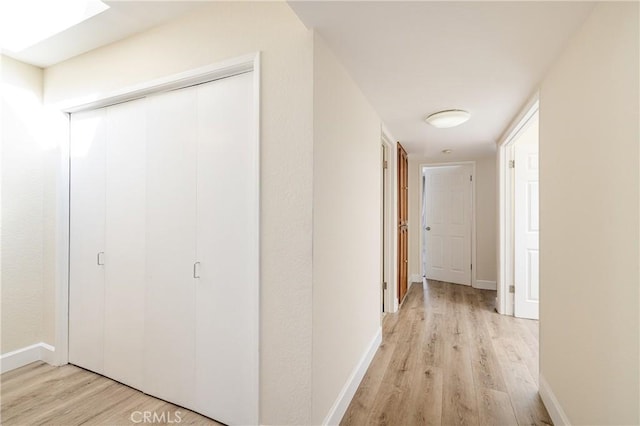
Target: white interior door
227,247
448,223
169,368
87,240
125,242
526,226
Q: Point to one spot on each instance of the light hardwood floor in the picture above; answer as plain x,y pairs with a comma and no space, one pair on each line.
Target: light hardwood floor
447,358
39,394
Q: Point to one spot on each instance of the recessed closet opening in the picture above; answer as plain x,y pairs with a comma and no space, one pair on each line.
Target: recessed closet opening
164,239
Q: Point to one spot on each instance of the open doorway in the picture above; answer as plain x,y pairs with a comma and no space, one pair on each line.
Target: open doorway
518,288
388,298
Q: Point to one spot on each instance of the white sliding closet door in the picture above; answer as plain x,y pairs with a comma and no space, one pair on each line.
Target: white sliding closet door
169,369
125,242
226,292
164,277
86,240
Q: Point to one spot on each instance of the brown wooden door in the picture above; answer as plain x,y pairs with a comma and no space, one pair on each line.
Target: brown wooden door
403,216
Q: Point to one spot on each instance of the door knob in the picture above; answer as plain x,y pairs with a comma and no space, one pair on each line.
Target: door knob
428,228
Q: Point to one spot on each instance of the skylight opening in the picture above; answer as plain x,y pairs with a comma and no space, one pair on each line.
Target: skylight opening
24,23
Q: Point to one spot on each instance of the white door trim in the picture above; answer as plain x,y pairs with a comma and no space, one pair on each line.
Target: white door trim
181,80
505,258
392,219
228,68
473,215
61,286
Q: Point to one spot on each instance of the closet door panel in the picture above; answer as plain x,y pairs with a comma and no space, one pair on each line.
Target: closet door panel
170,246
125,242
86,239
227,302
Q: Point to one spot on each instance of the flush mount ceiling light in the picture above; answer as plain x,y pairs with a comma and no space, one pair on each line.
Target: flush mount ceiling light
447,151
27,22
448,118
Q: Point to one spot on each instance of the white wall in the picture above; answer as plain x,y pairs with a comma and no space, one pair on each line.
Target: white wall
589,214
346,228
28,229
213,33
486,214
486,219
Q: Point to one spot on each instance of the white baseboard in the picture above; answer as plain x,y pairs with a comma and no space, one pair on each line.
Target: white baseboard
415,278
351,386
21,357
557,414
486,285
48,354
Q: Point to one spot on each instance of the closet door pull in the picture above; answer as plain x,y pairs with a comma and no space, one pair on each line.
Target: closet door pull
100,259
196,270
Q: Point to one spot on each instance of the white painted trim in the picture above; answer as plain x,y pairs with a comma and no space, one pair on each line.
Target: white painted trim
21,357
351,386
256,61
473,216
393,218
519,122
416,278
246,63
62,252
557,414
504,304
192,77
390,237
48,353
505,301
485,285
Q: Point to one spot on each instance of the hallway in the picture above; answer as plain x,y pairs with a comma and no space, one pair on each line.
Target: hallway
448,358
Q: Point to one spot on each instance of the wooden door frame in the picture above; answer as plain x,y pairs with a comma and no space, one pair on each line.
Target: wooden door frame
228,68
423,194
